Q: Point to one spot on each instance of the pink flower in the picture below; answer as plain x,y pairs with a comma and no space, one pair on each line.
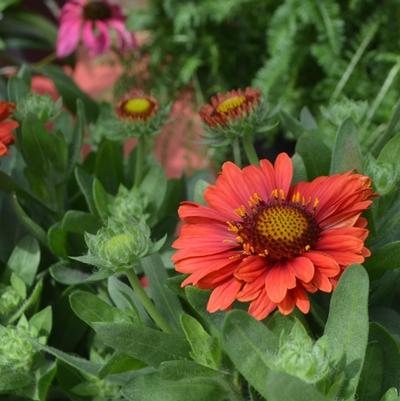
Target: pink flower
92,20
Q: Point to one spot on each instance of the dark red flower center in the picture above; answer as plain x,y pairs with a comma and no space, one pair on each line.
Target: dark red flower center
96,10
278,229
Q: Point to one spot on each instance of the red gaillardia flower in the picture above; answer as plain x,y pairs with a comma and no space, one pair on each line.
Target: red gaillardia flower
264,241
6,127
92,20
137,106
230,106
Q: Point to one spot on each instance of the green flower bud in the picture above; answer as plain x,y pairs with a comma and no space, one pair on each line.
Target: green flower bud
346,108
118,245
128,204
9,300
42,106
16,351
384,174
299,356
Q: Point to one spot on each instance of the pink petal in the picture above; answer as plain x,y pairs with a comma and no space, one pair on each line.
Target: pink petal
68,38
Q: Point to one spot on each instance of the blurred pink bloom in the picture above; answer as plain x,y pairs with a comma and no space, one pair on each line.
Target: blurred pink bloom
43,85
92,20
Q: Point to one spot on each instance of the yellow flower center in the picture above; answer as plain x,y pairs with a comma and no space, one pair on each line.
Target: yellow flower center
137,105
281,223
277,229
231,104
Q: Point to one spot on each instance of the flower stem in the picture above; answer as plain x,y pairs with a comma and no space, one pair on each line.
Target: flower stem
146,302
249,149
140,152
236,152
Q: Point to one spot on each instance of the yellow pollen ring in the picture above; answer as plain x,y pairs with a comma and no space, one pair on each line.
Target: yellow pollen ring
137,105
231,104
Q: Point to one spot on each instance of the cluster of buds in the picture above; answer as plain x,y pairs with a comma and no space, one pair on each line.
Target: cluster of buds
128,203
10,299
16,349
42,106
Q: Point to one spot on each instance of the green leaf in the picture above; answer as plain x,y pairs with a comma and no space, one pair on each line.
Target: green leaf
79,222
141,342
308,146
299,169
75,145
45,154
109,165
166,301
251,346
381,369
63,273
85,182
17,89
347,324
369,388
90,308
198,299
19,285
45,380
119,363
385,258
32,227
25,259
57,240
390,152
42,321
154,186
29,303
70,92
177,370
346,153
152,387
125,299
199,188
205,349
81,364
283,387
100,198
391,395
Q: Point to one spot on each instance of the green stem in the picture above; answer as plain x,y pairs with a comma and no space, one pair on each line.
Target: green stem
146,302
140,152
249,149
236,152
